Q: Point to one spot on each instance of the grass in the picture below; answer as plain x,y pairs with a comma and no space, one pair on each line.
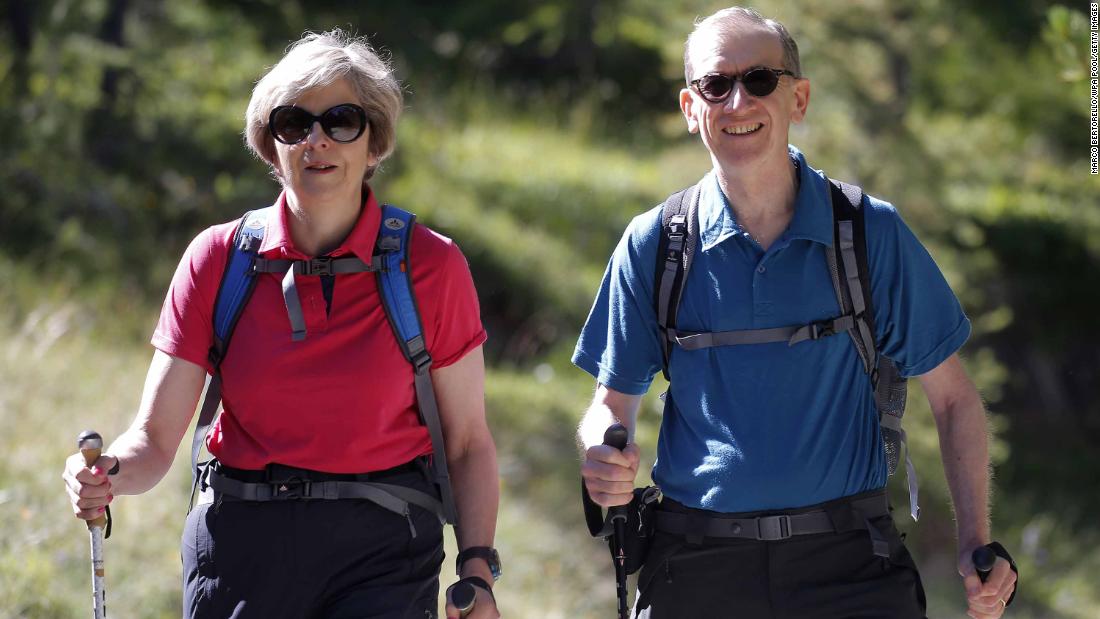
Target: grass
57,377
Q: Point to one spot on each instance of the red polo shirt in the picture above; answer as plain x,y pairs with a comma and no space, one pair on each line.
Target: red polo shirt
341,400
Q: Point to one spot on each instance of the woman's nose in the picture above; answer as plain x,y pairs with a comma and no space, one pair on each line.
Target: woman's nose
317,136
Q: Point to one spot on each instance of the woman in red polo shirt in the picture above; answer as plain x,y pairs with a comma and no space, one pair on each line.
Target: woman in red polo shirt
322,394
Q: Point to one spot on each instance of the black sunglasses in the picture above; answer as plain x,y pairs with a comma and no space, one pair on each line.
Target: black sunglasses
343,123
759,82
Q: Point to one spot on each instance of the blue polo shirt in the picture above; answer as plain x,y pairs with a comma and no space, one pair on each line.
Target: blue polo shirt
768,426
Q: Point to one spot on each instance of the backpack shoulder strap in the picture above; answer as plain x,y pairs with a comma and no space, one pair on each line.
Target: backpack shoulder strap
675,251
849,269
237,283
399,301
848,263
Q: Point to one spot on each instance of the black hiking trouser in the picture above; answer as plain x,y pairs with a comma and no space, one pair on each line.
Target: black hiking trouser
819,576
312,559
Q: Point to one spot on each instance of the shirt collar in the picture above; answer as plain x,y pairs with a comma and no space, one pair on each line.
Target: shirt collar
360,241
813,219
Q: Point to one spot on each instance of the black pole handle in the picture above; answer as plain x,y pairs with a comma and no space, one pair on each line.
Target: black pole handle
463,596
983,558
616,436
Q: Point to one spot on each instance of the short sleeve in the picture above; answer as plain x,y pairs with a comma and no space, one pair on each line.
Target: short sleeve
620,344
185,328
447,298
918,319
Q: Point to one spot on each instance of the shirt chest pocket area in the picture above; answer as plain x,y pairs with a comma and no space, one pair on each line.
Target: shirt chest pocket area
790,288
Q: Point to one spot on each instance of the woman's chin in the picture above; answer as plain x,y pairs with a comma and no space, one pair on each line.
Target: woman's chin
324,190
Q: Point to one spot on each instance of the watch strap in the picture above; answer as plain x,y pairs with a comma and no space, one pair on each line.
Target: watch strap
479,582
479,552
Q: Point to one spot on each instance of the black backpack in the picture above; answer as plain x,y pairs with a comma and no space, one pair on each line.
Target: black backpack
848,268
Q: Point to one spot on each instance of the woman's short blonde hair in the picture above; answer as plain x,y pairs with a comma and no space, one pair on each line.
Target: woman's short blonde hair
317,60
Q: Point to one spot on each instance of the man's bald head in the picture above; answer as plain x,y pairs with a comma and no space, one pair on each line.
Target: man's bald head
726,22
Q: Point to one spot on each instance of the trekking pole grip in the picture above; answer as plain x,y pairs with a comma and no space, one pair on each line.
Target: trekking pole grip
983,558
90,444
463,596
616,436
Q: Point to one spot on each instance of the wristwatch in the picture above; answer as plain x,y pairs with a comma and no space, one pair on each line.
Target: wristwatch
480,552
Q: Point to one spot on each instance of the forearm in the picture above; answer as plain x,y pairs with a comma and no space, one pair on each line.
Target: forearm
146,450
476,485
964,444
606,408
141,464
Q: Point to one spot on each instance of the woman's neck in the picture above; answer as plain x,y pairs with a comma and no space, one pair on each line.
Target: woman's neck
319,226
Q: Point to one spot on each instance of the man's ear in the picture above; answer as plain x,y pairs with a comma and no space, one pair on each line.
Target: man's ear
801,99
687,106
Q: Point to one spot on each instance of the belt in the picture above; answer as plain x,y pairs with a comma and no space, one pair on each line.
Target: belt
764,528
696,523
219,484
275,472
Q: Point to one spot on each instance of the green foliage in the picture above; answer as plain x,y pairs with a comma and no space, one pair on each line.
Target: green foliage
534,132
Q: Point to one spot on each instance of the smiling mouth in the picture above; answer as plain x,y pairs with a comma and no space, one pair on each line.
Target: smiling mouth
742,129
320,167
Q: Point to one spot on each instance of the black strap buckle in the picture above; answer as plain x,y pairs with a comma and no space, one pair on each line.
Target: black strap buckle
421,362
289,489
419,356
819,330
317,266
773,528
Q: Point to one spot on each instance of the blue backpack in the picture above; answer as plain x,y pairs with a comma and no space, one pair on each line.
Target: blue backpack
391,267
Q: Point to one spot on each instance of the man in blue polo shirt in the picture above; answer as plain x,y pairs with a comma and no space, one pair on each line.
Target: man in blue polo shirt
771,429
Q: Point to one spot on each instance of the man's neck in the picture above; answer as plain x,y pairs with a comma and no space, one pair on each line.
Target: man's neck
762,199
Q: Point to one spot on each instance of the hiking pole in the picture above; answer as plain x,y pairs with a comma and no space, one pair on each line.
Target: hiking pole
90,445
983,558
463,596
616,436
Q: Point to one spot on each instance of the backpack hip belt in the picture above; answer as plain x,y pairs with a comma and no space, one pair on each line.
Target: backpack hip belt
215,486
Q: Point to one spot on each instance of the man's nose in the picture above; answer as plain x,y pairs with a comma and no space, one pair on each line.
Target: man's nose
739,97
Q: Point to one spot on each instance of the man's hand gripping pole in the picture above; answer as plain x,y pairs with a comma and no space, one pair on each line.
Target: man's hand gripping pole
616,436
